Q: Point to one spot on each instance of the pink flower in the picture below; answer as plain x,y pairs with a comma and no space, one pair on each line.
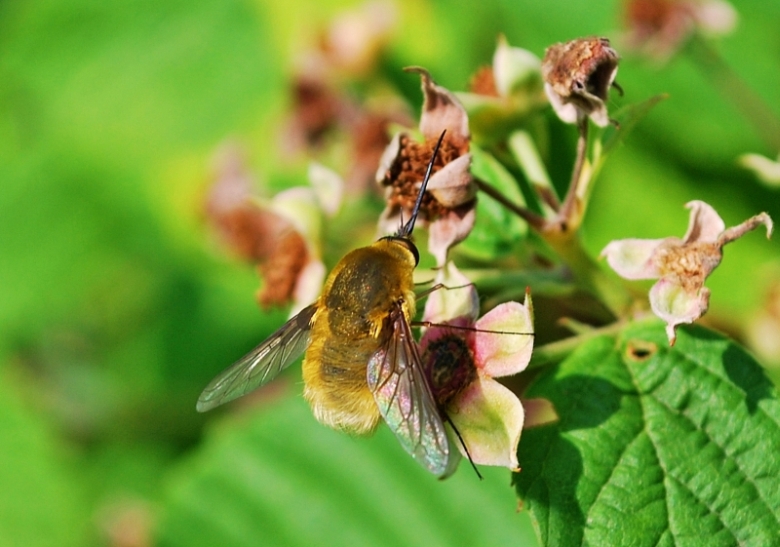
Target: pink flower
680,265
461,364
448,206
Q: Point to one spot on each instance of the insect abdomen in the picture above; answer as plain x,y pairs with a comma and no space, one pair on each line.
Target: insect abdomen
355,303
334,373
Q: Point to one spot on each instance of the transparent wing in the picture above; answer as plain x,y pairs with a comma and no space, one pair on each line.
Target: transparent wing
262,364
401,392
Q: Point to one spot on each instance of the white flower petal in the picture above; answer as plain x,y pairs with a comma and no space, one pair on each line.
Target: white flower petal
633,258
328,187
453,185
457,298
489,418
514,67
705,225
675,305
450,229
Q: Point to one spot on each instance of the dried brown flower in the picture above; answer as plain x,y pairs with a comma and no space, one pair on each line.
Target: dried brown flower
448,205
578,75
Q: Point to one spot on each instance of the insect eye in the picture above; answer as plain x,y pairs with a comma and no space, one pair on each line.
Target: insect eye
407,243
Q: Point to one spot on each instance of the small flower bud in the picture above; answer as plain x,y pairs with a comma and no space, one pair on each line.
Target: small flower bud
578,75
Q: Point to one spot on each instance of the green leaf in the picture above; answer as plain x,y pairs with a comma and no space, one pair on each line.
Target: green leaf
42,502
277,477
497,229
628,118
655,445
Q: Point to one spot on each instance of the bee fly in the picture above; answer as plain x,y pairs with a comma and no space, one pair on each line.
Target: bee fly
361,362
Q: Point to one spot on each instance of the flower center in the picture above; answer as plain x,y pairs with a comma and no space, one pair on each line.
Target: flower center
689,264
408,170
450,367
281,268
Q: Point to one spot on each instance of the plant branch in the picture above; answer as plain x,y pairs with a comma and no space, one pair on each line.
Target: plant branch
534,220
570,203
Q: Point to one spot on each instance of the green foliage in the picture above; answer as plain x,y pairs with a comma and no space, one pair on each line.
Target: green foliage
277,477
117,306
43,504
655,445
498,230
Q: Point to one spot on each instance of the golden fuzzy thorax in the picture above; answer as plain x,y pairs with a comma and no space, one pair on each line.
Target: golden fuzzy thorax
349,326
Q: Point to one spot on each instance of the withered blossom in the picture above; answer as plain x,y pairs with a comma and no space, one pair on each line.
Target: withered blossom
658,28
680,265
578,75
461,363
369,136
327,117
448,206
317,109
281,235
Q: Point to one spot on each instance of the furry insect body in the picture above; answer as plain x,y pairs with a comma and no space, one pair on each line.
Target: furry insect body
361,362
350,325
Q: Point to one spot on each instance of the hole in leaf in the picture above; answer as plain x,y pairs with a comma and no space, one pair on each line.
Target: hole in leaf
640,350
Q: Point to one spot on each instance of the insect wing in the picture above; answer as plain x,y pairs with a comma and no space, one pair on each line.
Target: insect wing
401,392
262,364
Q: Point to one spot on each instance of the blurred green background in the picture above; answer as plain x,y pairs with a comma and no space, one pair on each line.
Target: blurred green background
116,306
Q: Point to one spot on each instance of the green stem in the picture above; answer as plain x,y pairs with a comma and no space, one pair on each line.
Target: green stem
527,156
588,273
529,216
555,352
571,203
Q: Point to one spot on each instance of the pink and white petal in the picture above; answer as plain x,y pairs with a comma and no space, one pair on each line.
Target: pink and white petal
598,113
633,258
457,298
715,17
566,111
675,305
538,412
388,157
453,185
514,68
441,110
328,187
503,339
308,285
449,230
489,418
705,225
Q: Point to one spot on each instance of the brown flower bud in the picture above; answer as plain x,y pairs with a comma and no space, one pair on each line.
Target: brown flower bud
578,75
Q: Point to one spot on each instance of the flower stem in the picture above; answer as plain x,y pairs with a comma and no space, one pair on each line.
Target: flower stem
533,220
570,203
555,352
589,275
